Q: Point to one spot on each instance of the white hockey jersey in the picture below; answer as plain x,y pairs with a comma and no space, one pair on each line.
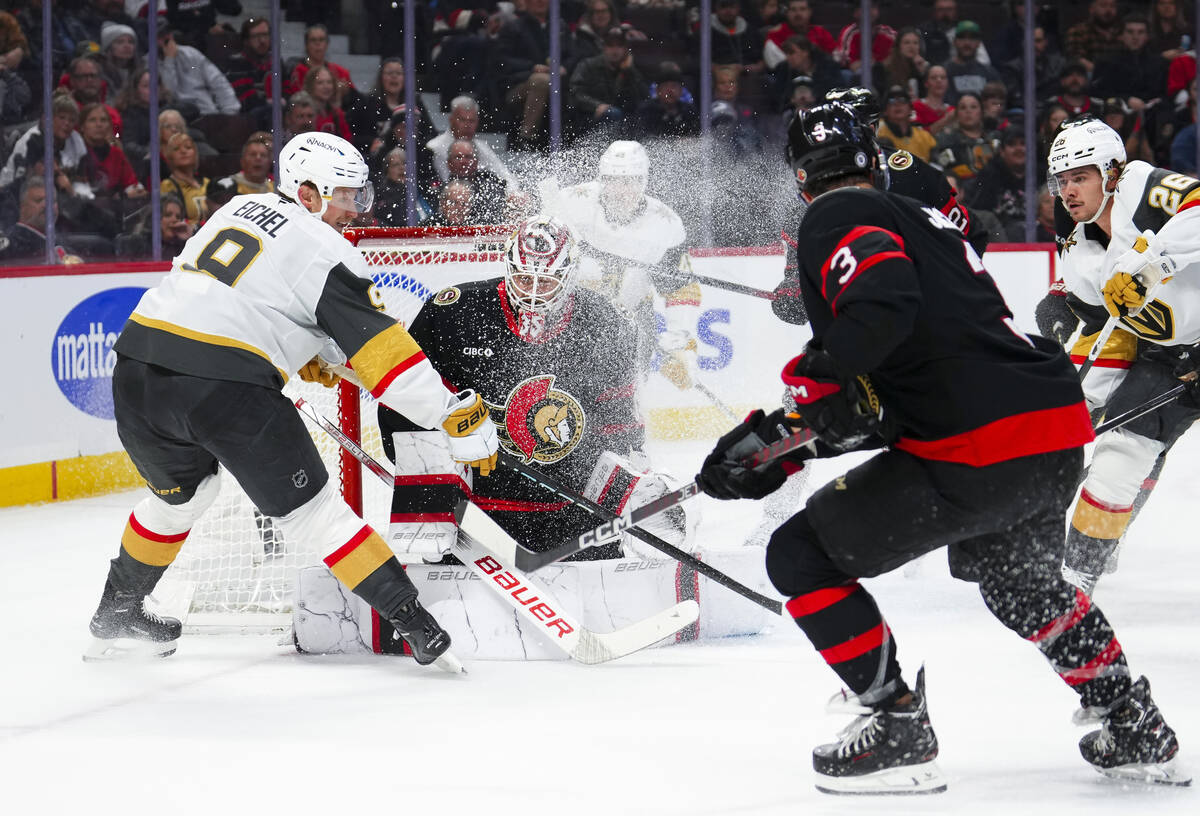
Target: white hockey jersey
261,289
1147,198
623,260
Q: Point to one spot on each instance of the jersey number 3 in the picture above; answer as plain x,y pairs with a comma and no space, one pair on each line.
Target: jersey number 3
229,254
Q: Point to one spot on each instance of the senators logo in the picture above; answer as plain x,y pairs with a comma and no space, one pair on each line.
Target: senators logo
447,296
900,160
538,422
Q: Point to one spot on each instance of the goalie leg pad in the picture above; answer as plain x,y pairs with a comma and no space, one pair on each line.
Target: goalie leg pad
429,483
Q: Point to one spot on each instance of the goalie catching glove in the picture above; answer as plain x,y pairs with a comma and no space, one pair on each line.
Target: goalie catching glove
842,410
723,476
470,432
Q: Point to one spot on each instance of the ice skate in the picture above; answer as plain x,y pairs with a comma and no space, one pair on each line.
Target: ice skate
421,632
123,628
883,751
1134,743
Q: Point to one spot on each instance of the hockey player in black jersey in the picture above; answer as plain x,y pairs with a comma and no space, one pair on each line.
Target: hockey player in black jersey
556,365
914,349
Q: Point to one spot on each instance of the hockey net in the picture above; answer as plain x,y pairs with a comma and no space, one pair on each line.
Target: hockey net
236,571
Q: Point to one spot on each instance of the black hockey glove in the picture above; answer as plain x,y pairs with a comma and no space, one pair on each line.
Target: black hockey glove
788,305
724,477
843,411
1054,317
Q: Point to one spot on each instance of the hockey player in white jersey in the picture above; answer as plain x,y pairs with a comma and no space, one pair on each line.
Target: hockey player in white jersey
1133,257
632,247
268,288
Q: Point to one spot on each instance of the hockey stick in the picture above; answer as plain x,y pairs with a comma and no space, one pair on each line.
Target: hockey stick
1141,410
715,400
623,523
479,534
529,560
740,288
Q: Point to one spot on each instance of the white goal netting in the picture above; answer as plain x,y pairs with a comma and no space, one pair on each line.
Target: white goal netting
236,570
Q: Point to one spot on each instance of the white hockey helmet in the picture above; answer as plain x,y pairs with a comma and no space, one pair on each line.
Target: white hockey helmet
1088,143
624,170
539,261
327,162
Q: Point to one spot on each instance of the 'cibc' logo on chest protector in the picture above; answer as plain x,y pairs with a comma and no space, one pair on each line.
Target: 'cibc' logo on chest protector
538,422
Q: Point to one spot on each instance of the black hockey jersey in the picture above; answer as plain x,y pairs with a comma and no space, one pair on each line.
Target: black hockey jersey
894,291
557,402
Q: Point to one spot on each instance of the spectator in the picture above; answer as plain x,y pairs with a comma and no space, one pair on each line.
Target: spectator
66,34
95,13
734,42
606,88
299,116
1136,73
667,115
193,79
1095,39
904,66
803,97
850,45
1048,64
1053,115
456,202
1168,28
369,114
1180,72
174,226
118,56
69,148
1073,91
255,172
1008,43
965,71
85,83
734,123
14,46
462,59
999,187
963,147
1045,231
316,44
218,193
938,34
249,71
803,58
16,99
994,99
321,86
587,40
1119,116
105,169
896,128
488,201
463,124
763,15
798,21
391,193
25,242
932,111
523,53
393,135
185,180
196,19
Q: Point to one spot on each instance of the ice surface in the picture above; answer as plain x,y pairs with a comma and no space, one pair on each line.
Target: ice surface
240,725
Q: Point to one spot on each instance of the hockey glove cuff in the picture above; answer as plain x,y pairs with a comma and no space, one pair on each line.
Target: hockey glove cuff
313,372
843,411
724,477
471,434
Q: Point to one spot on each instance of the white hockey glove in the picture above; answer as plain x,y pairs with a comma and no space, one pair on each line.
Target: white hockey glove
680,358
470,432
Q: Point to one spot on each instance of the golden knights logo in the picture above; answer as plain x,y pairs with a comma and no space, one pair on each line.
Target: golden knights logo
538,422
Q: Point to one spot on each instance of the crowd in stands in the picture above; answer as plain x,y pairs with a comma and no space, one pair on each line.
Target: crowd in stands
948,74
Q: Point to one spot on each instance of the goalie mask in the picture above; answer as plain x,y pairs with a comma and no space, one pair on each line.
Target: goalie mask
539,261
828,142
1087,143
330,164
623,172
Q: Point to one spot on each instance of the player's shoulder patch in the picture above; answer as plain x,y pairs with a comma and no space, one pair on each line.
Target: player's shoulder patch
900,160
447,296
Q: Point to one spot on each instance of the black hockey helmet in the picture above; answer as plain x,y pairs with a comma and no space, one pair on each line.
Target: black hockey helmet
829,141
862,101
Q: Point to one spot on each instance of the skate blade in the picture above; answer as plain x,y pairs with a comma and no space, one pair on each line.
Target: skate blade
909,780
1170,772
127,649
448,662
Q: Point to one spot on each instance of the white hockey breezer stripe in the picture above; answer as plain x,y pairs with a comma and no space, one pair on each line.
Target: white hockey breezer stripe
488,550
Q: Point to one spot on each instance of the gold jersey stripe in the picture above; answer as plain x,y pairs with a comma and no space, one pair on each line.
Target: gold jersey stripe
383,353
1121,345
202,337
1098,522
356,562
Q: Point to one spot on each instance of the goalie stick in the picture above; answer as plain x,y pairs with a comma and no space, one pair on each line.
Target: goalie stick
489,552
528,560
